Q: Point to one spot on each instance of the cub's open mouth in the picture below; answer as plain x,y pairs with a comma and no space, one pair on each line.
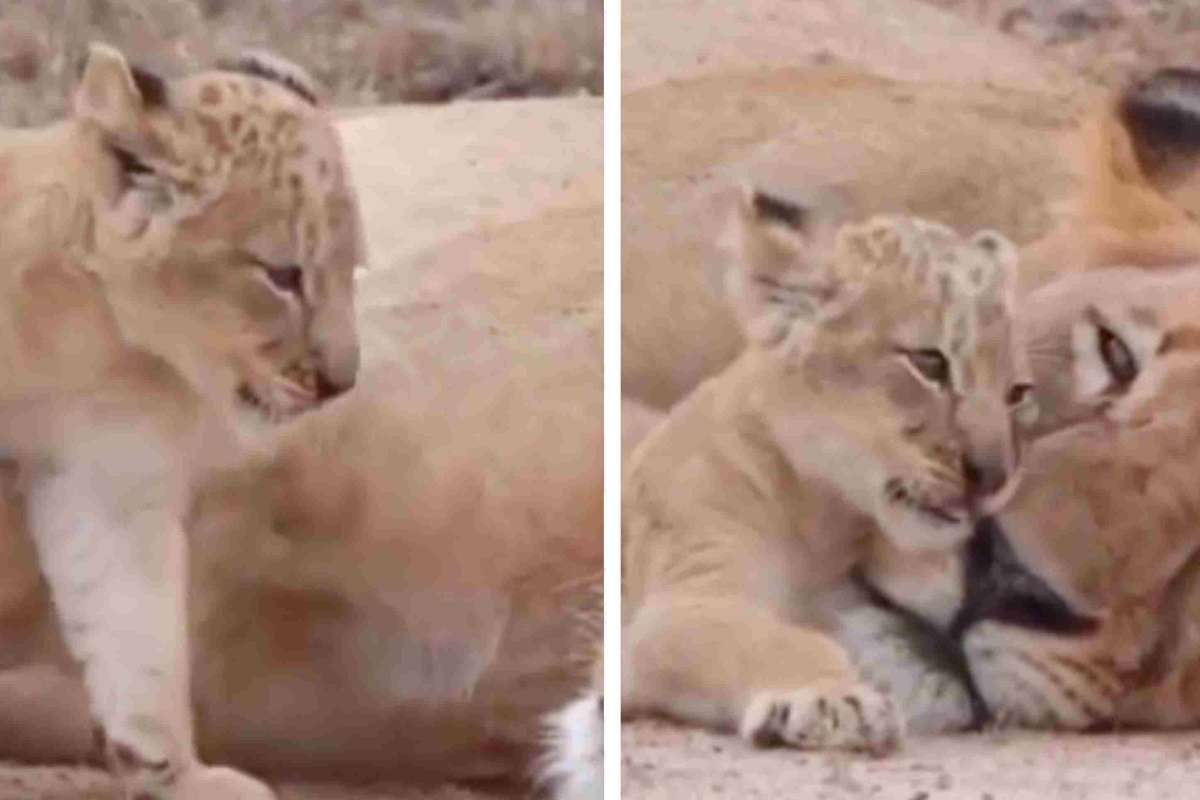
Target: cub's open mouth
247,397
279,400
897,492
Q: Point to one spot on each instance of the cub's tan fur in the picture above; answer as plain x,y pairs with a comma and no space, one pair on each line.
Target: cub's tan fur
835,427
169,253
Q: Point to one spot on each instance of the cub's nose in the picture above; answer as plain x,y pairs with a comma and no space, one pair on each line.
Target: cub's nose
984,478
327,389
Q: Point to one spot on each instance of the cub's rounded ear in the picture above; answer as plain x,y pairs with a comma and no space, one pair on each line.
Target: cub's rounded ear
776,280
1161,115
997,272
113,95
277,69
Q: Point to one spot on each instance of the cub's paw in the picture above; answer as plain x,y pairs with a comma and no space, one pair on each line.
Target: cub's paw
844,716
218,783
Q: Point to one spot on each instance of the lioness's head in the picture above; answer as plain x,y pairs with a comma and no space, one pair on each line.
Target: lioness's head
1075,603
897,334
221,211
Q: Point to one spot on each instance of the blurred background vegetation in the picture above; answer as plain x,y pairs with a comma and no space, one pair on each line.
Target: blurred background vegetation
364,52
1106,40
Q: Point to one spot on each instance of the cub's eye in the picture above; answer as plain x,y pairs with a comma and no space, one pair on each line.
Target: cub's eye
1023,403
1018,393
289,278
931,364
1119,361
130,164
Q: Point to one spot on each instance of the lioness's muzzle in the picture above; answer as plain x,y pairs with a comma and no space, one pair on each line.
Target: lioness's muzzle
997,586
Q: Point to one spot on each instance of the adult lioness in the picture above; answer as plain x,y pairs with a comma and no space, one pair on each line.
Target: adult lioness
873,402
1074,604
172,252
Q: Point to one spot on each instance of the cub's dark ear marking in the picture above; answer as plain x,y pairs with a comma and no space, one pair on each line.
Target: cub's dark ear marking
152,88
277,70
1162,115
770,208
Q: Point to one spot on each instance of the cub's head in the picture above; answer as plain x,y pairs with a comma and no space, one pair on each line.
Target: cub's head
223,222
888,356
1075,603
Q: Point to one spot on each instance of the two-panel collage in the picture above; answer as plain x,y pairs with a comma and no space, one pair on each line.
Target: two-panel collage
384,384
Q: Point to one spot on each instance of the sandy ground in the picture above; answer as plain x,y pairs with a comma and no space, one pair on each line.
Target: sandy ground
663,761
65,783
483,225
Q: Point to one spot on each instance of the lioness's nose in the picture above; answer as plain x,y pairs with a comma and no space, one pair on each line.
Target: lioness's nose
1000,587
336,365
984,477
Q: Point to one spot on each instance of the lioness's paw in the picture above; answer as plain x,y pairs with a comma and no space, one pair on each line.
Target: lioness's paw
848,716
219,783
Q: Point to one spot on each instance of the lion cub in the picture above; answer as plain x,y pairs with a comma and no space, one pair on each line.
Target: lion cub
876,397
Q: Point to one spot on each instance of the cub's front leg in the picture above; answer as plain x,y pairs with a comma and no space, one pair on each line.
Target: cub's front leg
109,539
730,664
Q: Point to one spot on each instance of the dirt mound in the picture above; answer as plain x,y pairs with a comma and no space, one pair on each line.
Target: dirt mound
904,39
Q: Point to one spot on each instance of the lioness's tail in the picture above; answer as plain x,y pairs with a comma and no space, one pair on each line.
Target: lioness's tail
573,764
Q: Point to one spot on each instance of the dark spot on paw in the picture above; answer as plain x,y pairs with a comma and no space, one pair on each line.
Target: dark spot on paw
855,705
766,736
785,715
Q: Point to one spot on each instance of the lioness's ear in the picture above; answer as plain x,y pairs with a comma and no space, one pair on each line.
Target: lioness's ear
1161,116
776,281
114,96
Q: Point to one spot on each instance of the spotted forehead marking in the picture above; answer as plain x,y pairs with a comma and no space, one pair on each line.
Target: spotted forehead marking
236,122
962,280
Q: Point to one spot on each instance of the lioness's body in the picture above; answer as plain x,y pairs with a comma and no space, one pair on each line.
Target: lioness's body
387,588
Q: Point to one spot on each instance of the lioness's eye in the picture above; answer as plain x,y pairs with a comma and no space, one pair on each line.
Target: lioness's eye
288,278
1119,361
931,364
